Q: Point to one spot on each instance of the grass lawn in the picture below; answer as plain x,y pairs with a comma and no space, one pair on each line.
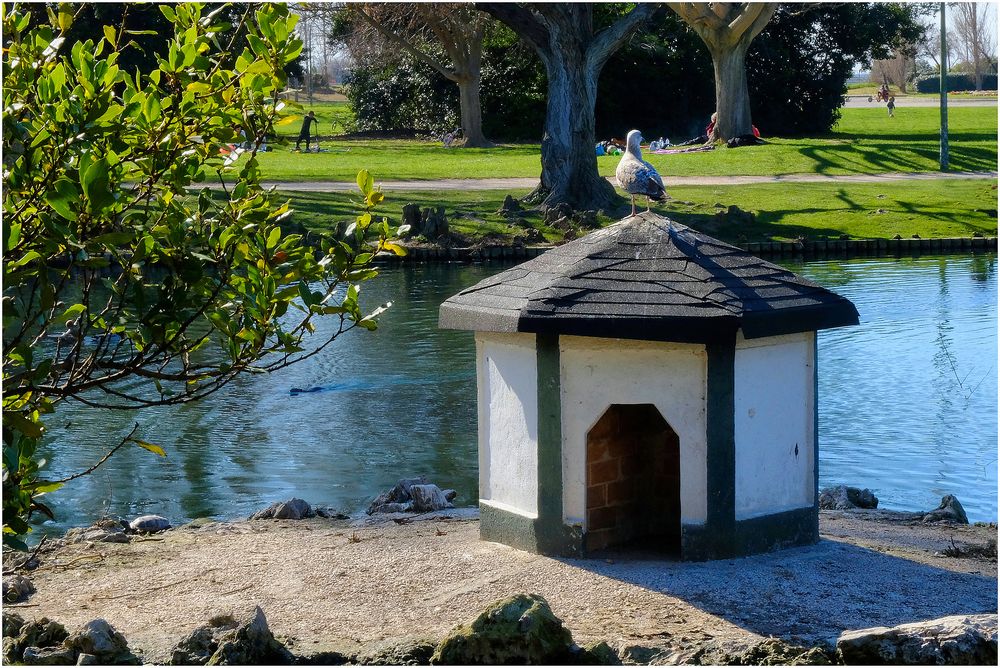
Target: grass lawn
332,118
865,141
781,211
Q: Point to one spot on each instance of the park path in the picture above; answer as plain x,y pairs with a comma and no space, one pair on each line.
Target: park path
529,183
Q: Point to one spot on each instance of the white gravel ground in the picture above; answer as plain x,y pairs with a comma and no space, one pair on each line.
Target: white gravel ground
325,584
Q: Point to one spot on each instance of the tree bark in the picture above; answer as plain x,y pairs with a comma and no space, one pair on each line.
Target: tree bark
472,112
727,28
461,34
569,162
732,97
573,54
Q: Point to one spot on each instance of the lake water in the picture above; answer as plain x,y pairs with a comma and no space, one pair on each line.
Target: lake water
907,402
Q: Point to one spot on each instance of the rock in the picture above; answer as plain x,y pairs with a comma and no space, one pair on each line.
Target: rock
411,217
433,223
397,499
16,588
149,524
843,497
597,654
776,652
228,641
640,654
12,623
957,640
103,531
48,656
393,508
587,219
427,498
324,658
950,510
406,651
556,213
533,236
330,513
735,214
449,494
98,638
293,509
87,660
36,635
510,206
518,630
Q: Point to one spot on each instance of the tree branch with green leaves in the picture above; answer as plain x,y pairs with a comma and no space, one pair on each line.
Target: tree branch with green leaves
127,281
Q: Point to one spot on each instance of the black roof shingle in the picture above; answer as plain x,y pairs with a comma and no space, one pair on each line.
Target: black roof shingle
650,278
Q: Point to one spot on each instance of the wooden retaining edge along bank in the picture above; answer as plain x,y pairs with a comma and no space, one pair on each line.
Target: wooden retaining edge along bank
818,249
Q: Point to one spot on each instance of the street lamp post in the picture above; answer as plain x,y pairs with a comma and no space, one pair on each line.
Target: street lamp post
944,93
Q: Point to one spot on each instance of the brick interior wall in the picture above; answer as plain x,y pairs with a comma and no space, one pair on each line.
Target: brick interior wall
633,480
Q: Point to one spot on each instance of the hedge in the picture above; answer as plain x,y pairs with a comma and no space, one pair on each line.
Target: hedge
956,82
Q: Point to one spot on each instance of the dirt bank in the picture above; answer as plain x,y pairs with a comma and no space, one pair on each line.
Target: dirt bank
329,585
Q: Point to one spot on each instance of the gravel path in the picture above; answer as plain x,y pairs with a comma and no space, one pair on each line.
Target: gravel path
329,585
529,183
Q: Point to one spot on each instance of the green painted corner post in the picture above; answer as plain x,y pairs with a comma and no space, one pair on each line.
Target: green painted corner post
720,524
944,92
552,536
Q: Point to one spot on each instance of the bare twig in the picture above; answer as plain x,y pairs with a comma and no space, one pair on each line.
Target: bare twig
127,439
27,560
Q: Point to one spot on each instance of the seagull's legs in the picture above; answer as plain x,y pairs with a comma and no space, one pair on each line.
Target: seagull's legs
633,203
647,204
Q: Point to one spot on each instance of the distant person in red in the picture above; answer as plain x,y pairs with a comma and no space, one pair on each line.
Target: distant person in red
304,133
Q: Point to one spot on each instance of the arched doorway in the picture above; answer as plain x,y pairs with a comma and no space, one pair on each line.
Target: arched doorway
633,481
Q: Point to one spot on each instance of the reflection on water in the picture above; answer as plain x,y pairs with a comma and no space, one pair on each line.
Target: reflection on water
908,400
908,406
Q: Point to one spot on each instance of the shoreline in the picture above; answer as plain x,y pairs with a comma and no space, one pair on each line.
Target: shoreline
790,250
342,584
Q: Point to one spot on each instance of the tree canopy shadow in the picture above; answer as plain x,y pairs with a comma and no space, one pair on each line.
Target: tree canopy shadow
811,593
902,158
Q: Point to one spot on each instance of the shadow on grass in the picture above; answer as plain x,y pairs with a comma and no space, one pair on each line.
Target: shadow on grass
765,227
867,159
814,592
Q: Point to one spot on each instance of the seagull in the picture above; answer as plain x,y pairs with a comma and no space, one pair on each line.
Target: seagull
636,176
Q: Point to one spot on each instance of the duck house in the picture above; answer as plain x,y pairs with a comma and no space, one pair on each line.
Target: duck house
647,386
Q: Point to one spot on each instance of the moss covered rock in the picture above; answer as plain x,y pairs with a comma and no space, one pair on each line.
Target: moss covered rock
775,652
408,651
521,629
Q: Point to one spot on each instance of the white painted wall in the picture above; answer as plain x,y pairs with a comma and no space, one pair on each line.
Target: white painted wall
597,373
508,421
774,403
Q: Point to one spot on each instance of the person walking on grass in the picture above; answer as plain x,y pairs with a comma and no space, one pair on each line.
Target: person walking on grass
891,106
304,133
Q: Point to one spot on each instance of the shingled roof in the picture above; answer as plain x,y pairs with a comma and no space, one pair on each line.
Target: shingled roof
649,278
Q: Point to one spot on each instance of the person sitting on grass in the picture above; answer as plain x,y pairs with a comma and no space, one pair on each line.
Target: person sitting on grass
304,133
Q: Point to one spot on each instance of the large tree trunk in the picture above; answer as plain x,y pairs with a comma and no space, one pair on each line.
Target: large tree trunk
732,97
573,54
569,162
471,112
727,28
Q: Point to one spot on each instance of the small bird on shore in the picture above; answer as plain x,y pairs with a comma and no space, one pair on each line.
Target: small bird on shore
636,176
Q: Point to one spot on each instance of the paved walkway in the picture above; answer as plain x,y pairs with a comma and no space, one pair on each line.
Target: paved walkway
906,101
529,183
